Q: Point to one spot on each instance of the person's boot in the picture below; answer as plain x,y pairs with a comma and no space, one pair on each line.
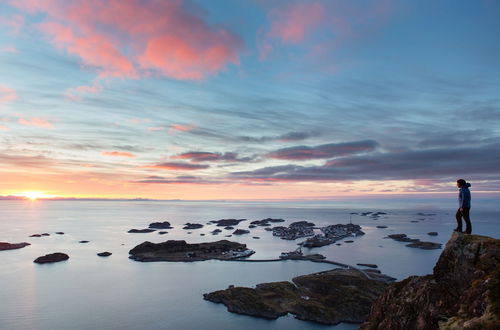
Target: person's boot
458,230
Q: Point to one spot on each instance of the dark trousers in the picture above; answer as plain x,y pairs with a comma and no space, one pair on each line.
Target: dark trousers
464,214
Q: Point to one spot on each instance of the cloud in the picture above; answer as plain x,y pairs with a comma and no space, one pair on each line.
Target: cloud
14,23
118,154
319,25
287,137
202,156
324,150
8,49
479,163
76,93
7,94
174,166
183,179
133,38
181,128
38,122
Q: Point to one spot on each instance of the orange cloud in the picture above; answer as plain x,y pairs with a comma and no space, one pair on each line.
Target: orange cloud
181,128
7,94
133,38
117,154
38,122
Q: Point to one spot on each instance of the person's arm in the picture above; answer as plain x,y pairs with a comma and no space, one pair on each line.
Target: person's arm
461,197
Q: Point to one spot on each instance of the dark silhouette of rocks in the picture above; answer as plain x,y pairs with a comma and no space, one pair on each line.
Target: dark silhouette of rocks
381,227
227,222
162,232
40,235
160,225
12,246
83,242
252,226
60,233
104,254
328,297
256,237
240,231
415,242
349,241
53,257
190,226
266,222
216,231
141,231
229,228
202,234
181,251
432,233
463,292
368,265
294,230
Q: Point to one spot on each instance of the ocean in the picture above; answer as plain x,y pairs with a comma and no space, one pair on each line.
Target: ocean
90,292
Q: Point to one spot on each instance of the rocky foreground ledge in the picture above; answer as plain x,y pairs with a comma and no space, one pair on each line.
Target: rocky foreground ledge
181,251
331,297
462,293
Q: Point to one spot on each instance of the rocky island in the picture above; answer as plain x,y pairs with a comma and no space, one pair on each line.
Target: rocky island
12,246
181,251
294,230
330,297
463,292
332,234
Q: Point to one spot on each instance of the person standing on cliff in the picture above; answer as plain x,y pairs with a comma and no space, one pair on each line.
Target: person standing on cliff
463,206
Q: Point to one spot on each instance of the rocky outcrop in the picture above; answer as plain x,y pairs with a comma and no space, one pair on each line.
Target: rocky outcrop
329,297
104,254
50,258
160,225
181,251
462,293
12,246
240,231
414,242
141,231
227,222
190,226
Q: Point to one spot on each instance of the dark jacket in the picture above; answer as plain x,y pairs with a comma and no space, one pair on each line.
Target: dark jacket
464,196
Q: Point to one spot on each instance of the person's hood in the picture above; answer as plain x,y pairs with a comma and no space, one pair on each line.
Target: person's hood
466,185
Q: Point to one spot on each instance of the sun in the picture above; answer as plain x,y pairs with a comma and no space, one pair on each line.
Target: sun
34,195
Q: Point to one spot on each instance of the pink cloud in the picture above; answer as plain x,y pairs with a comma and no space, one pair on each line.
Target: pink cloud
38,122
8,49
176,166
133,38
153,129
3,128
7,94
181,128
76,93
320,25
14,23
117,154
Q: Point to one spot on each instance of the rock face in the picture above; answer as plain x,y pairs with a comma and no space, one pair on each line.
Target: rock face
53,257
329,297
462,293
12,246
181,251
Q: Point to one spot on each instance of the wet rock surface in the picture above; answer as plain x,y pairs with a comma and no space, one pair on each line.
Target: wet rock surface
462,293
328,297
50,258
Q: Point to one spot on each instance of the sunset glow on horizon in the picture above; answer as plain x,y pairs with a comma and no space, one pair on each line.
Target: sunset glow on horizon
247,100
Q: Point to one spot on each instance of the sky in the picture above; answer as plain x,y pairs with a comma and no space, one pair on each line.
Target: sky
248,99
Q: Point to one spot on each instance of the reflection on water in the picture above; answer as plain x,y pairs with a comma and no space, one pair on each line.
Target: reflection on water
88,292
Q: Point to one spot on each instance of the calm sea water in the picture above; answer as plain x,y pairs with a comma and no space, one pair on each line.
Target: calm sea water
89,292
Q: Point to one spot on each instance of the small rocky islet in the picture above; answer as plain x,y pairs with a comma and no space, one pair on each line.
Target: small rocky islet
51,258
414,242
12,246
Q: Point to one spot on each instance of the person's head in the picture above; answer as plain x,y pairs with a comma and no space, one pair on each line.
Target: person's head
460,183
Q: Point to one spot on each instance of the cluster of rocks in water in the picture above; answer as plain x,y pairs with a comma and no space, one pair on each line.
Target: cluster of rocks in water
332,234
414,242
173,250
330,297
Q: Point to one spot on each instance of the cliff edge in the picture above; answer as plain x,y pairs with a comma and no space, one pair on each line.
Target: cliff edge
462,293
